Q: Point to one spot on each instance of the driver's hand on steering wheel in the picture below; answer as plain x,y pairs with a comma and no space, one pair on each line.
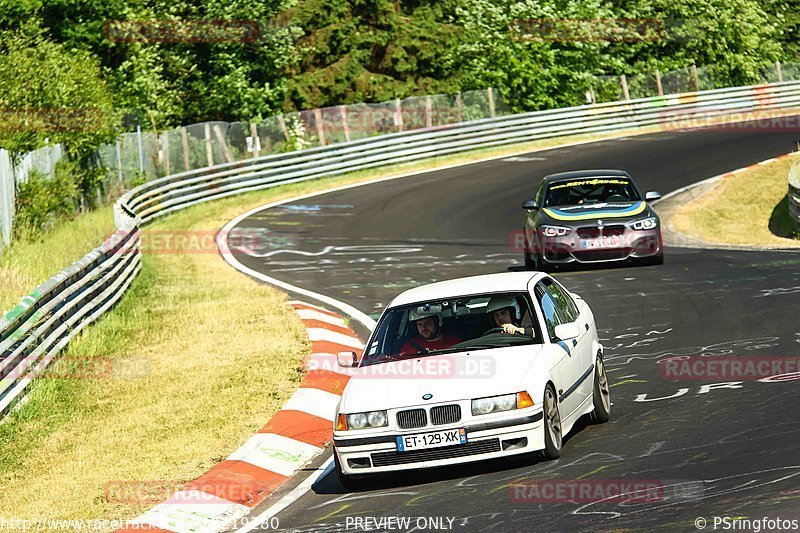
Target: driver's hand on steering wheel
511,329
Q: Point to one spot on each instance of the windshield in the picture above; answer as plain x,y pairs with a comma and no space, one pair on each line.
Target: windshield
591,191
478,322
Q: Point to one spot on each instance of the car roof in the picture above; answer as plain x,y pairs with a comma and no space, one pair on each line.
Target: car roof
504,282
561,176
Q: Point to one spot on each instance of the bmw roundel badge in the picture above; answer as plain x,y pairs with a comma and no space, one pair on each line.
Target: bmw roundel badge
427,396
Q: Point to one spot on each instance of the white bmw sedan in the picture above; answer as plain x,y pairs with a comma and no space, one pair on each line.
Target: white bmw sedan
470,369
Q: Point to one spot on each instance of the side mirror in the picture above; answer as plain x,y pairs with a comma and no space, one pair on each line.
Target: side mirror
652,196
568,331
530,204
346,359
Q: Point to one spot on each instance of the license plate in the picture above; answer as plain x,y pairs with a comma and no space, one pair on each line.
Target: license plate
608,242
435,439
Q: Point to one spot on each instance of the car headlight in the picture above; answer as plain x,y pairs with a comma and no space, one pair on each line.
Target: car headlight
497,404
554,231
370,419
645,223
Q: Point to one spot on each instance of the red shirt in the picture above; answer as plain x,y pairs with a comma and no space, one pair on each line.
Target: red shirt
445,342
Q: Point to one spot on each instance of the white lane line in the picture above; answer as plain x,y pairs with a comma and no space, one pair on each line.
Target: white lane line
717,177
363,318
320,334
323,470
276,453
310,314
201,512
314,402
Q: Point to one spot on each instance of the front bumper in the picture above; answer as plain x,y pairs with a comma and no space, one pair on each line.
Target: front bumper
572,248
500,438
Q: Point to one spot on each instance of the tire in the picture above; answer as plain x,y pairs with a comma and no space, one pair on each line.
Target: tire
351,483
601,395
552,424
532,262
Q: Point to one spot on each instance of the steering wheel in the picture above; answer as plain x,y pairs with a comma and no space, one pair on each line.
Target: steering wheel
493,330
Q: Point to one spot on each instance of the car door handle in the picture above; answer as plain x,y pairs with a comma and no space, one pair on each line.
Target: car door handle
574,342
587,327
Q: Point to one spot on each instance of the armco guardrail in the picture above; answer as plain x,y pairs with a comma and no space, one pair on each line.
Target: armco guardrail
34,331
794,194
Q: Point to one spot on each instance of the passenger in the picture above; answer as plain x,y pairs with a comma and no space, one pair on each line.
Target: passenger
431,336
503,311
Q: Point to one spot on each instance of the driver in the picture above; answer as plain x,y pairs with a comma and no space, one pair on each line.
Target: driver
503,310
431,337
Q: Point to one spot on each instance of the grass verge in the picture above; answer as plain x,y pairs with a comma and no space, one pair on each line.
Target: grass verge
26,264
748,208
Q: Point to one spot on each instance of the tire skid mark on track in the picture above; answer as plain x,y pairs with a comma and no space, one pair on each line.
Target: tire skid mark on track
296,434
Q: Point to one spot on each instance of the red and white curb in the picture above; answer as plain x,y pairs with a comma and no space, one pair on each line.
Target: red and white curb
294,435
724,176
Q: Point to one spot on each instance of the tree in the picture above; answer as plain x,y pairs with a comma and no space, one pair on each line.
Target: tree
370,50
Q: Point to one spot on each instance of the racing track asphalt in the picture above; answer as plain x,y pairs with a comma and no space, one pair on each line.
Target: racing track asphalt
724,452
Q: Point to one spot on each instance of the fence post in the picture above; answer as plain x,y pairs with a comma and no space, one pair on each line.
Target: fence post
459,106
185,145
221,140
165,147
658,82
282,124
320,129
345,125
139,145
624,82
209,152
119,160
491,103
7,191
428,110
398,115
694,78
256,140
779,70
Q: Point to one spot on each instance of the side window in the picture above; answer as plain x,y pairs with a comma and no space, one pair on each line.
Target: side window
563,300
540,194
549,310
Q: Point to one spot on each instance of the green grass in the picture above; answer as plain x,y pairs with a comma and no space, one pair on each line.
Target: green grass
749,208
27,263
